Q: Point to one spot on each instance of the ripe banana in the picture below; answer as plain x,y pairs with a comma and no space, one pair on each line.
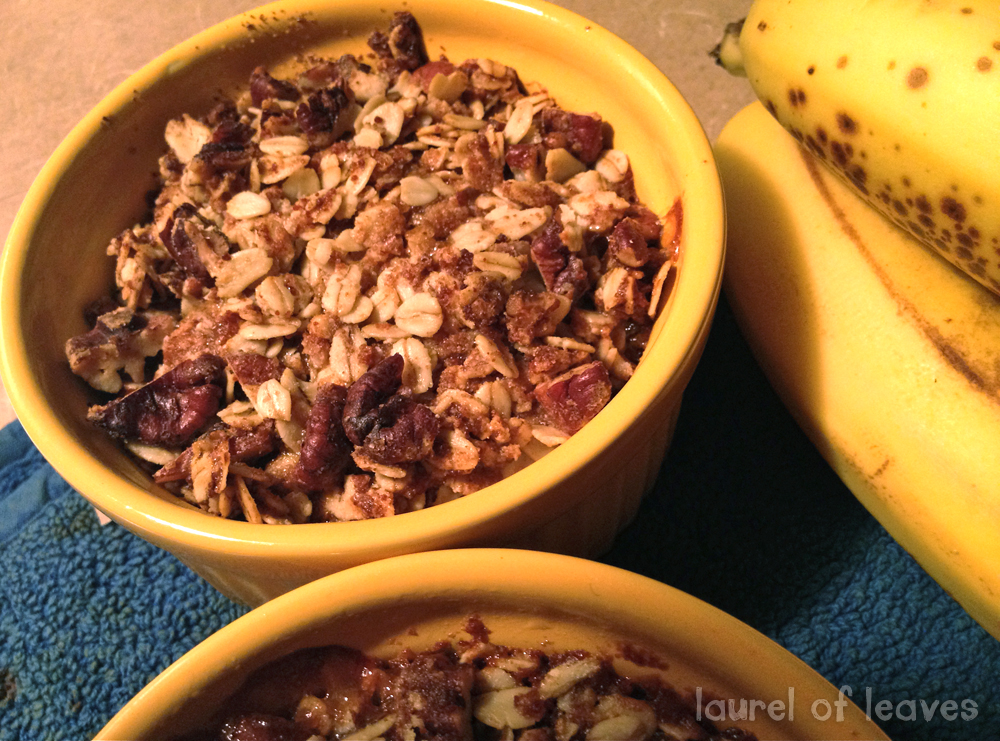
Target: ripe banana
887,356
902,99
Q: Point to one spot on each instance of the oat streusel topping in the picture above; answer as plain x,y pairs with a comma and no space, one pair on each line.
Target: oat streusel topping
381,285
464,690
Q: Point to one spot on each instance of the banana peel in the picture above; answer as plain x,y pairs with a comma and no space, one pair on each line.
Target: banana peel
887,355
901,98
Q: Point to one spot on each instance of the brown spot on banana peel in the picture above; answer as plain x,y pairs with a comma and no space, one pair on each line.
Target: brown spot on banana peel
953,209
948,352
847,124
881,469
962,242
917,78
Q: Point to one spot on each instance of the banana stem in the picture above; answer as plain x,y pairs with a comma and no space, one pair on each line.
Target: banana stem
727,52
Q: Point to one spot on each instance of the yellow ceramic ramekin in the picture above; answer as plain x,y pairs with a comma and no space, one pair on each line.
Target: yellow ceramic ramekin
527,599
94,186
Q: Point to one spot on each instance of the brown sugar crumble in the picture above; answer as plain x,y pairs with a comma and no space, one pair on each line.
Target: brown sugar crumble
379,285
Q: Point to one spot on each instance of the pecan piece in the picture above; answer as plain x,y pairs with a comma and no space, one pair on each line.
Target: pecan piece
627,244
562,271
169,410
575,397
403,47
533,195
548,251
531,315
324,116
120,339
201,331
406,41
252,369
481,303
245,444
481,170
263,86
178,240
231,131
646,221
403,432
326,451
328,73
215,158
390,167
581,134
367,394
528,161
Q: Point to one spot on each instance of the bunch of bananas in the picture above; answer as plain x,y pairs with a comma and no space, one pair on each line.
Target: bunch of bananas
886,160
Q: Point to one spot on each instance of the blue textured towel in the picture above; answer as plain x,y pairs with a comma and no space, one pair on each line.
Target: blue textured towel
745,515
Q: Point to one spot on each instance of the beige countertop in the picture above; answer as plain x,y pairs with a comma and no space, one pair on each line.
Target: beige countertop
60,57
